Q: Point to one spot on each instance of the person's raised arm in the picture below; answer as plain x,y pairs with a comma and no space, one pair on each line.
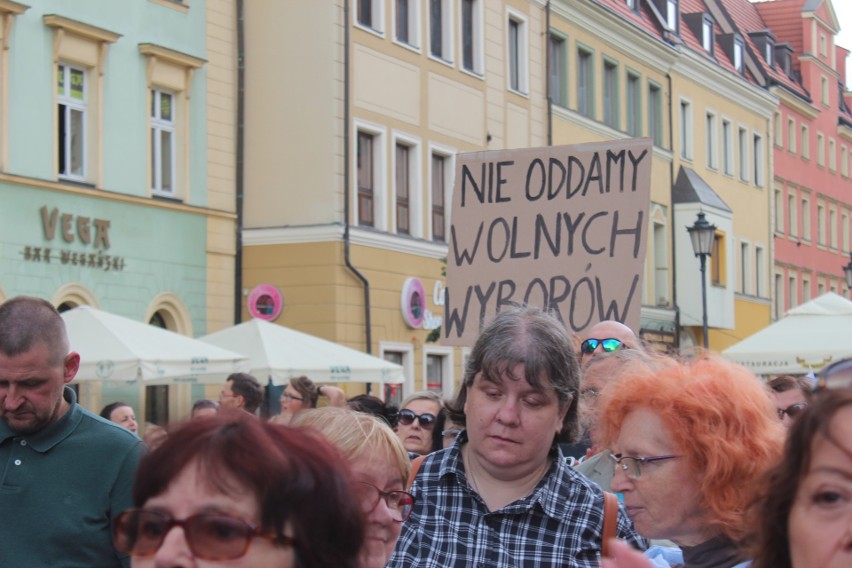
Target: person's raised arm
336,396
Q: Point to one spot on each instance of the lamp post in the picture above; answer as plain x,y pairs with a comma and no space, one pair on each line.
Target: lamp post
702,235
847,270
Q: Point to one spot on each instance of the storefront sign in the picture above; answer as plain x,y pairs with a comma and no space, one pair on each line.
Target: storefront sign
413,304
563,228
265,302
71,229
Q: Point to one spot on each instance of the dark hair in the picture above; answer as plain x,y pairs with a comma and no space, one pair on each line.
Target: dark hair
306,387
106,411
770,542
26,321
204,403
438,430
249,388
375,406
784,383
537,339
295,475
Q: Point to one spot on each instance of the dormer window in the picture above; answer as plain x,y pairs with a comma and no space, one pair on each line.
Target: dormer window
707,35
738,54
671,14
633,5
784,56
764,41
768,54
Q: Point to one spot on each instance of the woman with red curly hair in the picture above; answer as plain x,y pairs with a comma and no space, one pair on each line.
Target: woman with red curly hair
689,443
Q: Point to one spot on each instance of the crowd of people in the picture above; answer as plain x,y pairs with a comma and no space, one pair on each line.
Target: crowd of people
712,467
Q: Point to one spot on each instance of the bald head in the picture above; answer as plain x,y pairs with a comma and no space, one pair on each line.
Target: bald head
610,329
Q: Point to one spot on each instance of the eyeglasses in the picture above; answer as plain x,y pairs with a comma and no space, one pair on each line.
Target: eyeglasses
793,410
399,503
289,396
608,345
407,417
210,537
451,433
631,464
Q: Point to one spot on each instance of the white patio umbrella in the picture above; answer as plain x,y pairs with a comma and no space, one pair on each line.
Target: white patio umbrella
806,339
118,349
281,353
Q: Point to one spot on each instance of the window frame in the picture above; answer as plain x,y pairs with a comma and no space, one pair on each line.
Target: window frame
415,177
477,68
158,125
445,30
517,54
379,164
633,102
655,117
686,129
711,139
413,41
585,89
611,101
558,68
377,16
448,155
66,106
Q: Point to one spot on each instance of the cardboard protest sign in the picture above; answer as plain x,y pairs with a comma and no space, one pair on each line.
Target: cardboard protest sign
563,228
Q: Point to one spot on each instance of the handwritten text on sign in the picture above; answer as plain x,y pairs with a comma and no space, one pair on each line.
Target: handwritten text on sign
563,228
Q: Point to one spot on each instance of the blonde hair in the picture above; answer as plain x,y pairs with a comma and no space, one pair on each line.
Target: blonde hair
355,434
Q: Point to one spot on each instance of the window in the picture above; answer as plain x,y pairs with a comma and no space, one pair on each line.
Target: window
793,212
806,289
707,35
820,224
78,144
71,98
806,142
471,35
585,83
440,30
759,270
634,105
407,22
660,261
610,93
776,130
844,228
171,134
824,90
820,149
778,211
671,15
711,140
403,189
685,129
366,179
402,354
655,114
435,373
791,292
832,228
832,155
439,193
743,154
738,54
369,14
779,297
717,261
757,143
844,164
727,148
517,44
558,68
806,219
745,269
791,134
768,50
162,143
820,288
822,46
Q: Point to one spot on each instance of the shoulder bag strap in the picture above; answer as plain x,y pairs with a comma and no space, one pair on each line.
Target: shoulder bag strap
610,521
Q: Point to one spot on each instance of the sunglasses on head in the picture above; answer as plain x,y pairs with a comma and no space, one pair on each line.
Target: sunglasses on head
608,345
407,417
793,410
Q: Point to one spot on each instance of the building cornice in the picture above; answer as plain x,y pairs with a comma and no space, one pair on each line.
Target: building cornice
334,233
703,72
81,29
791,100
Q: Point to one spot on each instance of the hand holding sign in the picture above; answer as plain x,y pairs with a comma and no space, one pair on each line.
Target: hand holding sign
563,228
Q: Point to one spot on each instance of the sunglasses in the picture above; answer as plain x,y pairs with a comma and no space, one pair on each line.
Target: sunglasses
289,396
407,417
793,410
608,345
210,537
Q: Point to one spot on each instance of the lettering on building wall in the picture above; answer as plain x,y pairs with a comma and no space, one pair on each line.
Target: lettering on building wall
563,228
65,228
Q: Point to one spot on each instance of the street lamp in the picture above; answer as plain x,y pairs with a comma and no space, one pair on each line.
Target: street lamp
847,270
702,235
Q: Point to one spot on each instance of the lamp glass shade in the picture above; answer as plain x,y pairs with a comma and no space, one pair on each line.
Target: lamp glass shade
702,235
847,270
